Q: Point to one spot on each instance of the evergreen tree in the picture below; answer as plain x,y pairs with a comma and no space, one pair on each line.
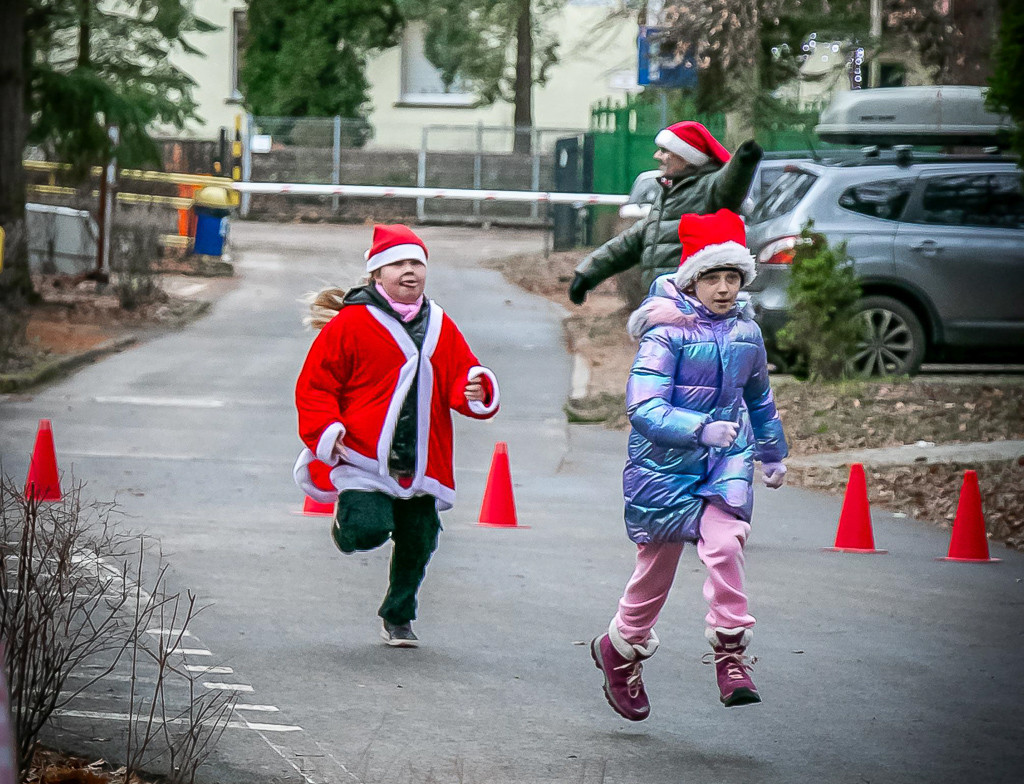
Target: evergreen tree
94,65
1006,93
307,58
68,70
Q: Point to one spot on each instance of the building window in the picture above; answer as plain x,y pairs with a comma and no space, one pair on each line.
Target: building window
239,27
892,75
421,80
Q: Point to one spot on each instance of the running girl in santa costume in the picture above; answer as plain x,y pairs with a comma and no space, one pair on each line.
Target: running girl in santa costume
374,400
702,412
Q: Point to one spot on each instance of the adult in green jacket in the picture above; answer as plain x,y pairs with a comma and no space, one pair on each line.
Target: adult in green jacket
698,176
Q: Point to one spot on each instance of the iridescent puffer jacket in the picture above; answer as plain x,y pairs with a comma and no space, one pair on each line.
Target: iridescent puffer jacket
693,367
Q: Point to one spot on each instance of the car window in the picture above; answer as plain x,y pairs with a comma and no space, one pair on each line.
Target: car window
993,200
885,199
783,196
644,190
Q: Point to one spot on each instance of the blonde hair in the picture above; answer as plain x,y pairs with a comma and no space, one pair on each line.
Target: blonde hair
323,306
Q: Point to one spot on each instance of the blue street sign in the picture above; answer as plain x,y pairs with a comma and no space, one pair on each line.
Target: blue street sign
662,68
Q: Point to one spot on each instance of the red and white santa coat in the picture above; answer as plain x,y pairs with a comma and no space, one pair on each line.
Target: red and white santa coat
355,377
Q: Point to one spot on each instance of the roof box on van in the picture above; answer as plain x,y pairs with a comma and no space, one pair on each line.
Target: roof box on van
912,115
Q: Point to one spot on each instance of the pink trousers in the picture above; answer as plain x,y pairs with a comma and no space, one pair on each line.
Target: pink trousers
722,537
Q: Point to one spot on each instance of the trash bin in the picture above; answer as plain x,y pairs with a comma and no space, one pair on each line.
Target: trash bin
212,206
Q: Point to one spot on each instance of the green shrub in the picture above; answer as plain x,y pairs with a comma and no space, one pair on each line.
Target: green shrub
823,329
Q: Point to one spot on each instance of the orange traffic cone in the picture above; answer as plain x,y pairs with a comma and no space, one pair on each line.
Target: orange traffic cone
854,532
969,542
314,508
498,509
43,483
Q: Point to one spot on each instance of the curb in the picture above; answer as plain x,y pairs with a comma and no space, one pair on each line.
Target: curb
44,371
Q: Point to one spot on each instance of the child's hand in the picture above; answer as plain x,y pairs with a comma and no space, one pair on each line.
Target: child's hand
719,434
774,475
475,391
339,449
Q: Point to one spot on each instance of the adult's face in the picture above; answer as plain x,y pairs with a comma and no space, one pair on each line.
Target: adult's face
717,290
671,165
402,280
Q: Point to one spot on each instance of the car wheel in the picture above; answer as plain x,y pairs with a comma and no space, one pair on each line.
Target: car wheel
893,343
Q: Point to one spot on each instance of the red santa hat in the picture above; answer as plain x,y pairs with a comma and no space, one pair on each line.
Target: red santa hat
692,142
714,241
394,243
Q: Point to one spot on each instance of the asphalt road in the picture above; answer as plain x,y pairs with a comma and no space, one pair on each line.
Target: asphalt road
883,668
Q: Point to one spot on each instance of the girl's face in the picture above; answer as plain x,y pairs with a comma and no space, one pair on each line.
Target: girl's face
717,289
402,280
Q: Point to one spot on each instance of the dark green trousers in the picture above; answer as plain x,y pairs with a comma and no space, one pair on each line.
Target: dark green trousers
365,520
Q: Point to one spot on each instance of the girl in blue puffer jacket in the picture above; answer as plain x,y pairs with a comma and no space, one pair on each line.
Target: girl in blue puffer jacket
702,412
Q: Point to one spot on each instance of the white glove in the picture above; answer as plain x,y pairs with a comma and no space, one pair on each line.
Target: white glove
719,434
774,475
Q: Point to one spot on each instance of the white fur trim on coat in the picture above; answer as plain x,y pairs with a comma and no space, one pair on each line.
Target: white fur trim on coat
654,312
724,254
687,152
395,253
325,446
478,406
300,472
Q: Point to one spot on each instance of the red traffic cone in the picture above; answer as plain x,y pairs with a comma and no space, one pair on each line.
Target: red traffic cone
498,509
854,532
43,483
969,542
314,508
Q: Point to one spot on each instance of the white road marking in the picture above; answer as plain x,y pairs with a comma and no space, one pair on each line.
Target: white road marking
172,402
236,725
210,670
270,727
260,708
217,685
169,632
98,453
192,651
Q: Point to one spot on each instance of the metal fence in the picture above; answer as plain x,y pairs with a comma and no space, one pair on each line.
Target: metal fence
334,150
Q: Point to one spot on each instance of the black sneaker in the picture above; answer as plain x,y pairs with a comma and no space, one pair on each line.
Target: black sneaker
399,635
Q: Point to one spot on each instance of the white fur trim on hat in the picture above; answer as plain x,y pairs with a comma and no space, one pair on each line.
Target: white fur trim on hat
395,253
724,254
687,152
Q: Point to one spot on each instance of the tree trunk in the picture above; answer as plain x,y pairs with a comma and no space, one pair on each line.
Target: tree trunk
84,36
523,116
743,80
15,282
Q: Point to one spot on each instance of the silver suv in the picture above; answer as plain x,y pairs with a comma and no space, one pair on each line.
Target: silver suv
938,248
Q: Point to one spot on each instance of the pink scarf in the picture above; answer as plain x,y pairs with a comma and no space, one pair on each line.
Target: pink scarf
405,311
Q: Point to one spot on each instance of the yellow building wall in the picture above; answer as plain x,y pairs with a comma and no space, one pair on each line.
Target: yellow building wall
593,65
213,73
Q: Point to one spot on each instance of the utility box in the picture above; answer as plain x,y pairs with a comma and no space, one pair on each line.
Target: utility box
60,240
